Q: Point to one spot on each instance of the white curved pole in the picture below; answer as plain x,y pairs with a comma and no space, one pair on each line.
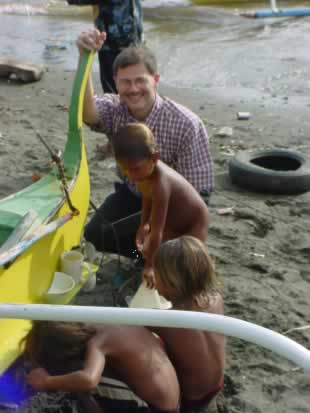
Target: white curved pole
164,318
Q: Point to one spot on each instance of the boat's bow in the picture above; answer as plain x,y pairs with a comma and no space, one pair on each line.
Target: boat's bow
27,266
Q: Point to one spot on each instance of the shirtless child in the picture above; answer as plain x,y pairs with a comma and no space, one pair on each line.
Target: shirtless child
171,206
133,353
185,276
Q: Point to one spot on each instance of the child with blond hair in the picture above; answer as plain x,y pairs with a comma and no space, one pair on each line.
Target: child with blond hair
185,275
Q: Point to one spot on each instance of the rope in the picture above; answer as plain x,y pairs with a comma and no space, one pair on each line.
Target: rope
56,158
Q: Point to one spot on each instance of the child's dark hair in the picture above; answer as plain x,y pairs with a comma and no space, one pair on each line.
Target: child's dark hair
184,265
50,344
133,141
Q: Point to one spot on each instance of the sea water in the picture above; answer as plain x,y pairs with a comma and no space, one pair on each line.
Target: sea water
198,47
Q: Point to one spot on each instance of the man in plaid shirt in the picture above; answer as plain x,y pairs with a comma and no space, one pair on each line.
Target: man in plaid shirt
180,135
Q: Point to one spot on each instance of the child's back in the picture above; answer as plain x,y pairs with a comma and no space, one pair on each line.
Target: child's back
134,354
184,275
197,356
187,213
139,359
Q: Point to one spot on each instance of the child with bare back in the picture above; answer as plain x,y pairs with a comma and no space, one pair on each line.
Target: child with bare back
185,276
171,206
134,354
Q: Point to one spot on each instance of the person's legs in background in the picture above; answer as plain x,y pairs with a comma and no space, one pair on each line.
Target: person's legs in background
106,59
99,231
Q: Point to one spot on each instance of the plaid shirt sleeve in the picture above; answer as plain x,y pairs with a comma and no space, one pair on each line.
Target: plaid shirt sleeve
106,106
194,160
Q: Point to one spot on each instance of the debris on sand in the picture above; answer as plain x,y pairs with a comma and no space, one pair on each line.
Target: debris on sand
13,69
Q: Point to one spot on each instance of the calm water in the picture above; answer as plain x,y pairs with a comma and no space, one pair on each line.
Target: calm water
197,46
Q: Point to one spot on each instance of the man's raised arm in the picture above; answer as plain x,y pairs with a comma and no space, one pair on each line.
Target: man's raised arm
89,40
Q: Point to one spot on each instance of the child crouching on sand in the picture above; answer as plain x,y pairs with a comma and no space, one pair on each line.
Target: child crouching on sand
134,355
185,276
171,206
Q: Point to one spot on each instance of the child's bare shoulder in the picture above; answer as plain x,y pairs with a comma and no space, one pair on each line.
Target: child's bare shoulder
160,181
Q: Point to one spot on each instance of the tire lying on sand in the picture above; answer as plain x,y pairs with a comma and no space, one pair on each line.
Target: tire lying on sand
276,171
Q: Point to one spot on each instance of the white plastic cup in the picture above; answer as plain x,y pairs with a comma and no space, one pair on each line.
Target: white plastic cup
89,251
72,263
61,285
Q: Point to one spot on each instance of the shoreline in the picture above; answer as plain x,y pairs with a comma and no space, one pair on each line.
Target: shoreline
261,251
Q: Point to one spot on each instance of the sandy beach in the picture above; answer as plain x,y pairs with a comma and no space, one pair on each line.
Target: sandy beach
262,250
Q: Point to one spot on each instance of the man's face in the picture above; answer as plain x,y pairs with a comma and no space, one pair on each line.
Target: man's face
137,89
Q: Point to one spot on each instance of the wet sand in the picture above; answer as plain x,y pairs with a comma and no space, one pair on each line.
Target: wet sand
262,251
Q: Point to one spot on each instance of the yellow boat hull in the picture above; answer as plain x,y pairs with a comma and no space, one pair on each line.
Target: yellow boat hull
27,277
30,275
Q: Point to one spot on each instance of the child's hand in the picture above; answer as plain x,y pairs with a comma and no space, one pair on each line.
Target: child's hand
149,277
37,378
140,236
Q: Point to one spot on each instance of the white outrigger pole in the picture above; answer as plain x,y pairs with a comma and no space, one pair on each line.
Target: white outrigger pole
229,326
276,12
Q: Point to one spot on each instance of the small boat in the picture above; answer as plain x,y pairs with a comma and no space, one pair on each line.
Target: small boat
40,222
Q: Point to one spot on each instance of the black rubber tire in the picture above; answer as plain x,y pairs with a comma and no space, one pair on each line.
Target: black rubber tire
283,171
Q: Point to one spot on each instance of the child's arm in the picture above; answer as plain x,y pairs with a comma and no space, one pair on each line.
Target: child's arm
146,210
144,223
160,202
80,380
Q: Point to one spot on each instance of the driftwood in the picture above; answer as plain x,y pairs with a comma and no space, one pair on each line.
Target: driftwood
24,71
